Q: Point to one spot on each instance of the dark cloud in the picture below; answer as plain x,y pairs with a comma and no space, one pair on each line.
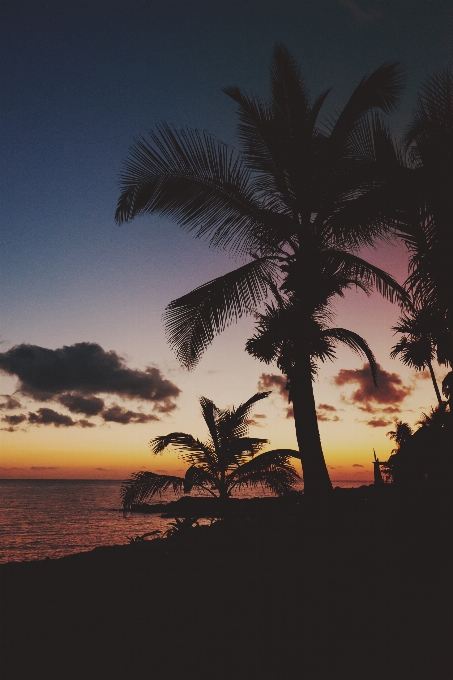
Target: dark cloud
165,406
275,382
260,415
76,403
118,414
47,416
379,422
268,381
10,403
14,420
391,409
326,407
324,418
391,389
331,467
162,472
357,465
324,413
85,423
85,369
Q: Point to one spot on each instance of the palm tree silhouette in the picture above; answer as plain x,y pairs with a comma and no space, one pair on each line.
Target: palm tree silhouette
278,337
297,203
226,461
425,220
416,348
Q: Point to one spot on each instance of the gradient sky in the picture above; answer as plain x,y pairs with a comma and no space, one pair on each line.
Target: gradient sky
80,80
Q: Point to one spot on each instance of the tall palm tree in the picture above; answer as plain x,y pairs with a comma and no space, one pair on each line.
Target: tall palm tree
298,202
417,346
426,219
226,461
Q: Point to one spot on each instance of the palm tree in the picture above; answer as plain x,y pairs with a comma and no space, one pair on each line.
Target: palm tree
401,435
278,337
225,462
298,203
425,220
416,348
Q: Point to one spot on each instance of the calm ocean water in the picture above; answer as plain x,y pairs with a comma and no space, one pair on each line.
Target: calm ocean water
42,518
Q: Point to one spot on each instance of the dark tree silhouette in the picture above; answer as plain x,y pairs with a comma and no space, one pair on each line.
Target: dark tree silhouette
299,202
226,461
279,335
417,346
426,219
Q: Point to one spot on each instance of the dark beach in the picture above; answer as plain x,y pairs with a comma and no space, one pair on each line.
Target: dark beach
360,589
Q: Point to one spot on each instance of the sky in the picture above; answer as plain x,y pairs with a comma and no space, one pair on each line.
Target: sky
86,375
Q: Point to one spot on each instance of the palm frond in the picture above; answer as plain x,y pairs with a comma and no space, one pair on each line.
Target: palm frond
233,424
354,342
272,470
353,267
193,320
197,181
142,486
199,477
381,89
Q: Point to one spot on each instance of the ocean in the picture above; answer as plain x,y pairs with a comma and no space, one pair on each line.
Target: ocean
42,518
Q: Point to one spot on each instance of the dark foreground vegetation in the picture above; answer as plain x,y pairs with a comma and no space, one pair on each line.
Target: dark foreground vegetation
360,589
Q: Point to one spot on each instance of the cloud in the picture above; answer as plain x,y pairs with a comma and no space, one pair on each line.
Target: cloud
379,422
324,413
83,369
14,420
422,375
390,391
118,414
327,407
10,403
253,422
76,403
85,423
47,416
324,418
357,465
290,412
267,381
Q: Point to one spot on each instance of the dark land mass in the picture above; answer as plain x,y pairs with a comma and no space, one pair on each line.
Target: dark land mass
358,589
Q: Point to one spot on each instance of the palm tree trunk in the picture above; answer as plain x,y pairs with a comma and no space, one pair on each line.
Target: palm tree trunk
314,470
436,386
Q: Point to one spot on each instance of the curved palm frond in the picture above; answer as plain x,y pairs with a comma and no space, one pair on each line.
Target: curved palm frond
201,478
272,470
144,485
199,182
193,320
381,89
354,342
353,267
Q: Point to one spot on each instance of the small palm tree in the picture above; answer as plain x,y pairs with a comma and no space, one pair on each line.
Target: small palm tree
277,335
227,461
401,435
417,347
